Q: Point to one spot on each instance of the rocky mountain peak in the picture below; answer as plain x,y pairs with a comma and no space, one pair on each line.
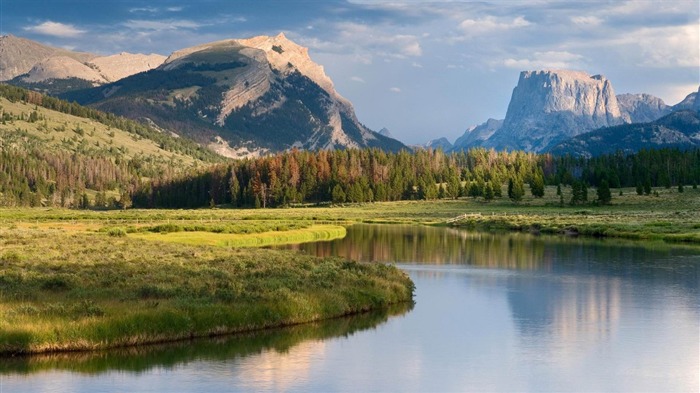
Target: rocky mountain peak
287,56
575,92
551,105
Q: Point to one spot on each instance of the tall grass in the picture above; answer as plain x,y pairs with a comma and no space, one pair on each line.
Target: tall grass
80,291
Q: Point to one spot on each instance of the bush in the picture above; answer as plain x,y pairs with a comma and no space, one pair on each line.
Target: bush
116,232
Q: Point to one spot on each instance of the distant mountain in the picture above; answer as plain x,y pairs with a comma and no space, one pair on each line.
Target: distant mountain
680,129
440,143
548,107
385,132
19,55
641,108
241,97
31,65
475,136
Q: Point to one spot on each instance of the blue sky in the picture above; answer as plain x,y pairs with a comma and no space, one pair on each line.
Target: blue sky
423,69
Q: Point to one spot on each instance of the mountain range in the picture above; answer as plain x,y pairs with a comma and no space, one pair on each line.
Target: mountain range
553,107
239,97
248,97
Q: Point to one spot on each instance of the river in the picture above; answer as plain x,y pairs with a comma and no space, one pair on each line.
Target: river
493,312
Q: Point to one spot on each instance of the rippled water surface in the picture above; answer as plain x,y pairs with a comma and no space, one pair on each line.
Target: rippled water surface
506,312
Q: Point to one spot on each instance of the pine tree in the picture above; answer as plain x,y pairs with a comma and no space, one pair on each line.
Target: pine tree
488,192
516,189
603,192
537,184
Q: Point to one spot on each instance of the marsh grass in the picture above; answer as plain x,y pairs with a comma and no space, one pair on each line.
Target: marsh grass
82,291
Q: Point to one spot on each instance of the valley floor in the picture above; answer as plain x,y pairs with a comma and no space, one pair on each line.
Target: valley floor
81,280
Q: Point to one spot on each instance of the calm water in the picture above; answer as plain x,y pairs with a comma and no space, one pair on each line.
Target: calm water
492,313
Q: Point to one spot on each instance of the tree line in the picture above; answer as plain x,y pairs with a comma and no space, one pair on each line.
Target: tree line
371,175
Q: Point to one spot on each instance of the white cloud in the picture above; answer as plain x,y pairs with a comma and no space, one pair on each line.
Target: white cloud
675,46
417,65
366,42
175,9
395,90
490,24
412,49
590,20
549,59
357,79
143,9
161,25
55,29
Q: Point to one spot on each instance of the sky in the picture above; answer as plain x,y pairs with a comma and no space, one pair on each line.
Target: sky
422,69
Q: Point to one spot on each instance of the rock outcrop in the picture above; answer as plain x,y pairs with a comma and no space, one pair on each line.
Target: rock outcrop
550,106
641,108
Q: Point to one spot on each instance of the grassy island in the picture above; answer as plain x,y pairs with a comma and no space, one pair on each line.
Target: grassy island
66,290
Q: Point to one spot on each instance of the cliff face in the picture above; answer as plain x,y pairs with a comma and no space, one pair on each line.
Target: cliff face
549,106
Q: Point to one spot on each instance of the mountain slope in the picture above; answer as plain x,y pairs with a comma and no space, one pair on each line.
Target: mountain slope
680,129
29,120
242,97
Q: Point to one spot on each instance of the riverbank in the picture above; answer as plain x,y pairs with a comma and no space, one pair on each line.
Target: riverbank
68,290
666,215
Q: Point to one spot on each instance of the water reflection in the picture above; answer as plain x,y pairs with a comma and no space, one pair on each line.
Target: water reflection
308,337
518,251
507,312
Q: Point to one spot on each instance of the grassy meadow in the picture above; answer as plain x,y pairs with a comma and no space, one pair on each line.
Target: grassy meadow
82,279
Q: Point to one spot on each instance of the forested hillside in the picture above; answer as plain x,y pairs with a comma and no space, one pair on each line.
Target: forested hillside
52,152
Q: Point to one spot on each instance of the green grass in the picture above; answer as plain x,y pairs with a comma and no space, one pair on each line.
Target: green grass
271,238
671,217
71,290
